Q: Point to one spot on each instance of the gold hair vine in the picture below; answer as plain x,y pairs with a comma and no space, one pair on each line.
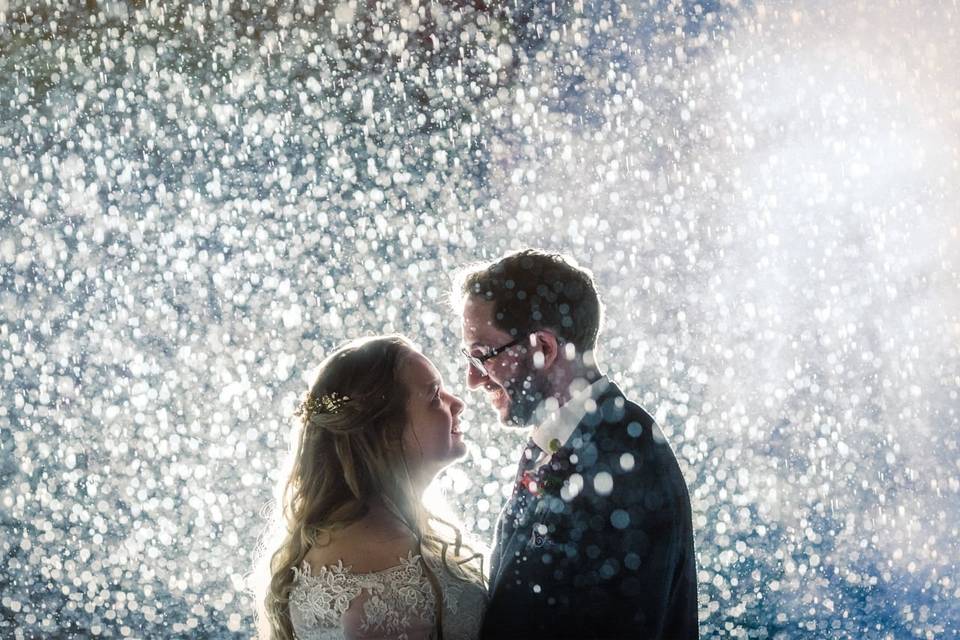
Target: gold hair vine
333,402
329,403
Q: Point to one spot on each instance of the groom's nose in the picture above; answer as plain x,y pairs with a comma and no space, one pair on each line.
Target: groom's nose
475,377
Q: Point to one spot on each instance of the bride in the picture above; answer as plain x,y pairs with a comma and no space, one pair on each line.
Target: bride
360,557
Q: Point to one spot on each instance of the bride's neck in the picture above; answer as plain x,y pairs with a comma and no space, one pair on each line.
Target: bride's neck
383,517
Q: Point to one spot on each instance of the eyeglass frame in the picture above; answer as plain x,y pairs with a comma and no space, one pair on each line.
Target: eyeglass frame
477,362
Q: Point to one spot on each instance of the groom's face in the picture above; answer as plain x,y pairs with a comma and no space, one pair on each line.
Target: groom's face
513,386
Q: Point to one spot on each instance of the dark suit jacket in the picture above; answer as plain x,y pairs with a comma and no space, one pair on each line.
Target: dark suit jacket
604,549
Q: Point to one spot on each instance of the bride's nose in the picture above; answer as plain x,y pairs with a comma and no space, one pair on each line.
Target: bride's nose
456,406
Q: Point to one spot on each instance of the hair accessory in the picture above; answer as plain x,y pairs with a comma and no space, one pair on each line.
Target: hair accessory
332,403
329,403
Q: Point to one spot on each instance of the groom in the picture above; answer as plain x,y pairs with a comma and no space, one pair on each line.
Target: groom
596,540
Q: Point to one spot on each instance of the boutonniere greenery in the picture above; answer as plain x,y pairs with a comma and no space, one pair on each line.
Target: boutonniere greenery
548,478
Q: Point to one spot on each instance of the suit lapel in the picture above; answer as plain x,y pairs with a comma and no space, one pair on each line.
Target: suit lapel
497,556
516,541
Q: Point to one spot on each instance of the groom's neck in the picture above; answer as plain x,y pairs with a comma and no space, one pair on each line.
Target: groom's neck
571,378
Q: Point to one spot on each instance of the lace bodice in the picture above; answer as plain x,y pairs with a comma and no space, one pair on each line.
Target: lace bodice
397,602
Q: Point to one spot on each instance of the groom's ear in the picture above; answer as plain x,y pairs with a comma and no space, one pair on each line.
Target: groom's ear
547,345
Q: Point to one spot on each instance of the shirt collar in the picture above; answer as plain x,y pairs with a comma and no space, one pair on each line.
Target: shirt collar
556,424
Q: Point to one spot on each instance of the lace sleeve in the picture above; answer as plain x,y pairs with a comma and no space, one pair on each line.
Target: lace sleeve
337,603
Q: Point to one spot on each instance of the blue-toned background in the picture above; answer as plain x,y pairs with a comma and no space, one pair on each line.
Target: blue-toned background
199,200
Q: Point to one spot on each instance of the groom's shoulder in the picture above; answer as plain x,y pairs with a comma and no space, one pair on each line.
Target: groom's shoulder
623,426
620,419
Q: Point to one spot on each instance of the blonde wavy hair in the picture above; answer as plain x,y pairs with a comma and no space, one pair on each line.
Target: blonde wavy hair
344,460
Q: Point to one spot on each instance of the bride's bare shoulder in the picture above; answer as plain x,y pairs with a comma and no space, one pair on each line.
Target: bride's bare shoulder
370,544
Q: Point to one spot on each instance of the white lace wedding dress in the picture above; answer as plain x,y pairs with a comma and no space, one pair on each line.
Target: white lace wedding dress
397,603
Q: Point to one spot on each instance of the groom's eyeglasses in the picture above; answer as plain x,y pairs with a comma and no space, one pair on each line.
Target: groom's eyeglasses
477,362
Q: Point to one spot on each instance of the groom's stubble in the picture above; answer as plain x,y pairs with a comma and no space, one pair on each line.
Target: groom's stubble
526,390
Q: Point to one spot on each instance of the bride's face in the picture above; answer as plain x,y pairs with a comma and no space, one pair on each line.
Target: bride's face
432,438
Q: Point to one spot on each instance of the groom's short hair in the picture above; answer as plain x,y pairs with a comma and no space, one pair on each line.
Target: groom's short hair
533,290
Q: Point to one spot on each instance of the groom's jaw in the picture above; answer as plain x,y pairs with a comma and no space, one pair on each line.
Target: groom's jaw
500,401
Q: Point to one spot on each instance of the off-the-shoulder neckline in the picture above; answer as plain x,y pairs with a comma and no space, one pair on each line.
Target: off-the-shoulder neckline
306,571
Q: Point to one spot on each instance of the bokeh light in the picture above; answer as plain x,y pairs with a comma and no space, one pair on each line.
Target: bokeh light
200,200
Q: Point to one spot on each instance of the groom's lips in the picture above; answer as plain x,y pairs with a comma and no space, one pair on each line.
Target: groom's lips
499,400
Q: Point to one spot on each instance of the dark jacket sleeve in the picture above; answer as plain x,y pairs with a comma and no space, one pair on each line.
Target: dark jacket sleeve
658,572
634,560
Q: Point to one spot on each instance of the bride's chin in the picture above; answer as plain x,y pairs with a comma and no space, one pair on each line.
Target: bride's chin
458,450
